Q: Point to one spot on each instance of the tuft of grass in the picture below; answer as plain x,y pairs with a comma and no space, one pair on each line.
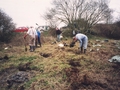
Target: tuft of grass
24,58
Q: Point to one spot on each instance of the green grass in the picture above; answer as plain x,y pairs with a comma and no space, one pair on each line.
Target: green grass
27,84
14,61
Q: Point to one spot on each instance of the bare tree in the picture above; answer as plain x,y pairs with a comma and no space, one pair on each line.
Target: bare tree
73,12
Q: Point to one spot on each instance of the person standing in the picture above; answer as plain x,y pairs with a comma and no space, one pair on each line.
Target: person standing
32,37
58,33
38,41
83,40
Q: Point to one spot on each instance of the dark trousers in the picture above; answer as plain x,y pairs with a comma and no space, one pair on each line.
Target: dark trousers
38,41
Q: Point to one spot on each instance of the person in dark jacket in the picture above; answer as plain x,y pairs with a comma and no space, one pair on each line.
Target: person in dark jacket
58,33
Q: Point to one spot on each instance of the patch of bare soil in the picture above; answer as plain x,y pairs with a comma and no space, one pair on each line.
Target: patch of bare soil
93,81
13,78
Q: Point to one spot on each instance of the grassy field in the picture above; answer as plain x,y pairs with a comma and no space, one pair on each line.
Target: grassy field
53,68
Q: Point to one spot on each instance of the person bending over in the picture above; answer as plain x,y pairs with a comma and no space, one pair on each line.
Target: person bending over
83,40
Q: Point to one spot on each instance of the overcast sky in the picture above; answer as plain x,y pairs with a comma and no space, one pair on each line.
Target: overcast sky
29,12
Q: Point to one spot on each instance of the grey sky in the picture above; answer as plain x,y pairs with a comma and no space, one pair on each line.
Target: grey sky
29,12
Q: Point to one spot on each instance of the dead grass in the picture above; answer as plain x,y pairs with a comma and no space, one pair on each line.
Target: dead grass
54,68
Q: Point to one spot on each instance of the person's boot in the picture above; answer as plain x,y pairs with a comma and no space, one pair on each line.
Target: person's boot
34,48
30,48
40,44
81,49
36,44
84,50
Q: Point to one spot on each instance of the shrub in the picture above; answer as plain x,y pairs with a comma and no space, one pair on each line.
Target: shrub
108,30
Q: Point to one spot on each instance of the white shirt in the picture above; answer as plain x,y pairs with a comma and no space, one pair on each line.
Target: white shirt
32,32
83,39
80,36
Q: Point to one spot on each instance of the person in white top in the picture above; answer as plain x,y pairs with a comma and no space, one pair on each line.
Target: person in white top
83,39
32,37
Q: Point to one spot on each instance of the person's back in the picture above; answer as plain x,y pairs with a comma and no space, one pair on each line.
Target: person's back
80,36
32,32
83,39
32,37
